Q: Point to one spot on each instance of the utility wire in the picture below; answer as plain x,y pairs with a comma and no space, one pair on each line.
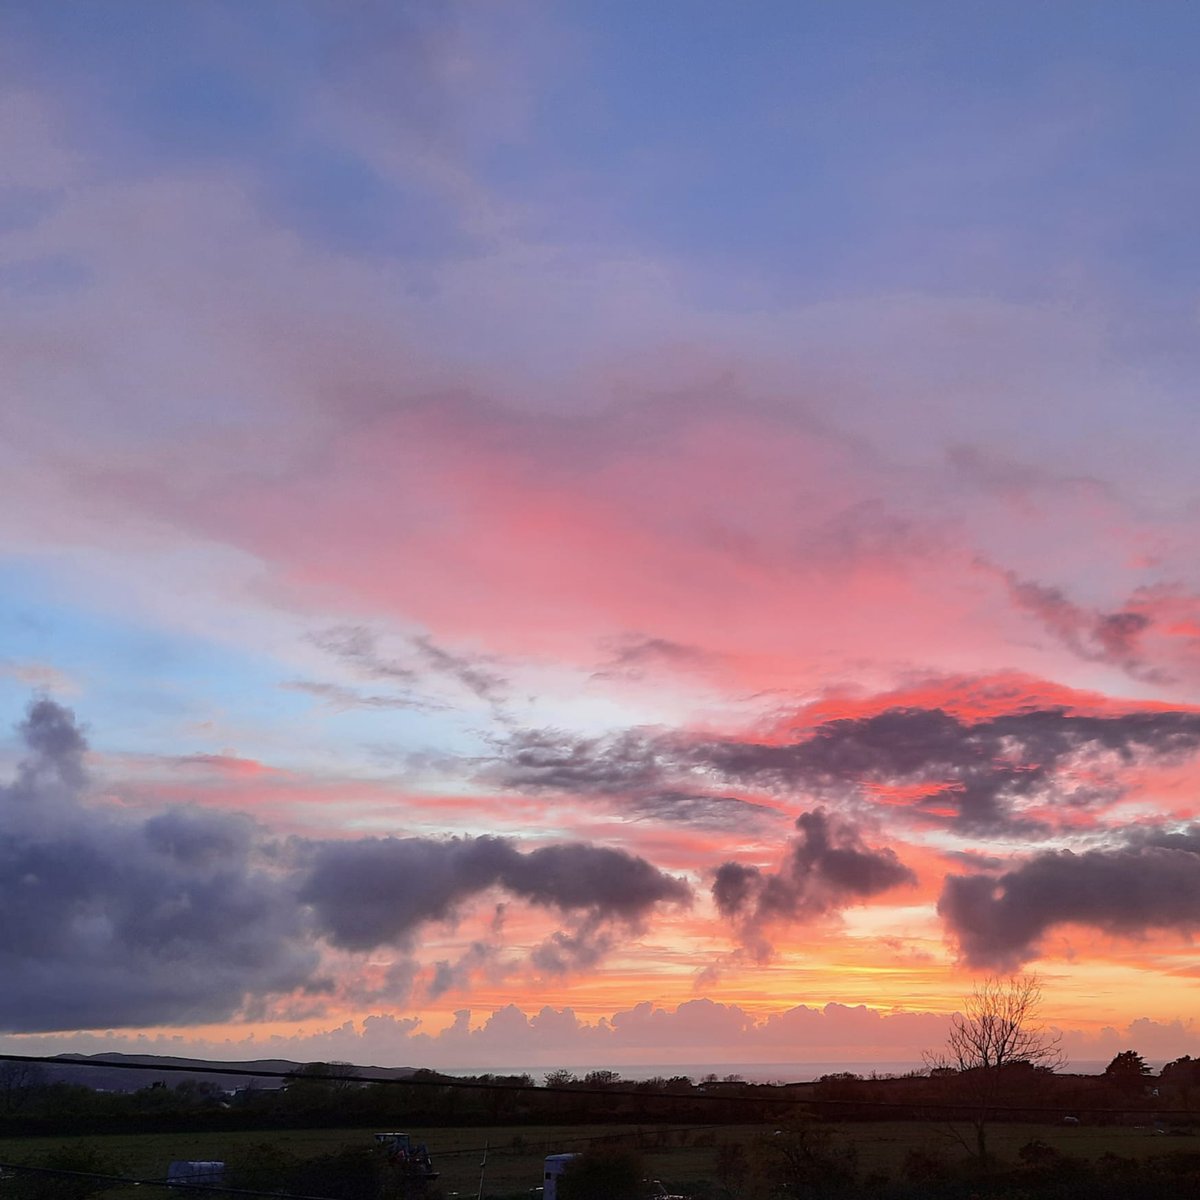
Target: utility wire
130,1181
656,1130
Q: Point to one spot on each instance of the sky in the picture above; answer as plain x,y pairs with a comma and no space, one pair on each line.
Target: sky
536,534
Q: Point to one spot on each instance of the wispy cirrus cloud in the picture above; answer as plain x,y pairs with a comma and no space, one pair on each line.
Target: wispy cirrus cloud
360,648
636,656
342,698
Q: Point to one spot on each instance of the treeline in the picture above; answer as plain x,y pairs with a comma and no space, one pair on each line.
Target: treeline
32,1107
1125,1093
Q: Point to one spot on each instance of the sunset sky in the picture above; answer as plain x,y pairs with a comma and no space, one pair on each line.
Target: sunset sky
542,533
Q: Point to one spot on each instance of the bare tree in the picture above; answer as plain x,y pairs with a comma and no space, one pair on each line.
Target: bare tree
1001,1026
997,1045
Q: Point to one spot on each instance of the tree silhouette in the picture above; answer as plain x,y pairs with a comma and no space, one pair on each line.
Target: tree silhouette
995,1046
1127,1071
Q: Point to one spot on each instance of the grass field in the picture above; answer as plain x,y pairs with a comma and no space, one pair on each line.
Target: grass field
680,1156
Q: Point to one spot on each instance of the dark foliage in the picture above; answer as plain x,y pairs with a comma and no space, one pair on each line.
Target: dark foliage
79,1157
1127,1072
809,1160
603,1174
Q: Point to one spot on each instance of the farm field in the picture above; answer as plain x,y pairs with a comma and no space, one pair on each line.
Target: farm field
679,1155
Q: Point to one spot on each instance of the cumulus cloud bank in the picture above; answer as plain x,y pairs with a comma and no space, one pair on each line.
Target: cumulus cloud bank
696,1032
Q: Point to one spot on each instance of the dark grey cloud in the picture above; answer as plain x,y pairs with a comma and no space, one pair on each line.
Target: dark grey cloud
109,918
907,744
450,976
551,760
54,763
636,767
113,920
987,770
1105,637
565,951
375,891
705,811
1187,838
378,891
597,879
736,888
827,866
1152,882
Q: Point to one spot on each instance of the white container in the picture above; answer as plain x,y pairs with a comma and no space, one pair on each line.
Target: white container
556,1164
196,1172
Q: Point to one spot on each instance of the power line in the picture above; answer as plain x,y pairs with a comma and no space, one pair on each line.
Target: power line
659,1131
304,1075
131,1181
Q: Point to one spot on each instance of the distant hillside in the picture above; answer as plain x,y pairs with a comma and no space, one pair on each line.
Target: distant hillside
85,1069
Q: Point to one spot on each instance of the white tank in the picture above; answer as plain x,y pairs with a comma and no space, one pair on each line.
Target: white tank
556,1164
196,1172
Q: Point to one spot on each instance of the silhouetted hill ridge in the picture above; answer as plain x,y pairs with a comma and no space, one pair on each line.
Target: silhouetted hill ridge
123,1079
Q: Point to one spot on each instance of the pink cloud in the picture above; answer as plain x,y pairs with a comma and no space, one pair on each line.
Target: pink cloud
226,764
756,541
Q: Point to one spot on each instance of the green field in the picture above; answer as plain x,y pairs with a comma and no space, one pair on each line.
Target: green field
681,1156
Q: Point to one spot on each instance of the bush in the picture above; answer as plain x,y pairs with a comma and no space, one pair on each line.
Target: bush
808,1160
1036,1153
602,1175
922,1167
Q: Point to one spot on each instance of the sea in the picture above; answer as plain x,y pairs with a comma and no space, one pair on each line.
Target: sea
758,1072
